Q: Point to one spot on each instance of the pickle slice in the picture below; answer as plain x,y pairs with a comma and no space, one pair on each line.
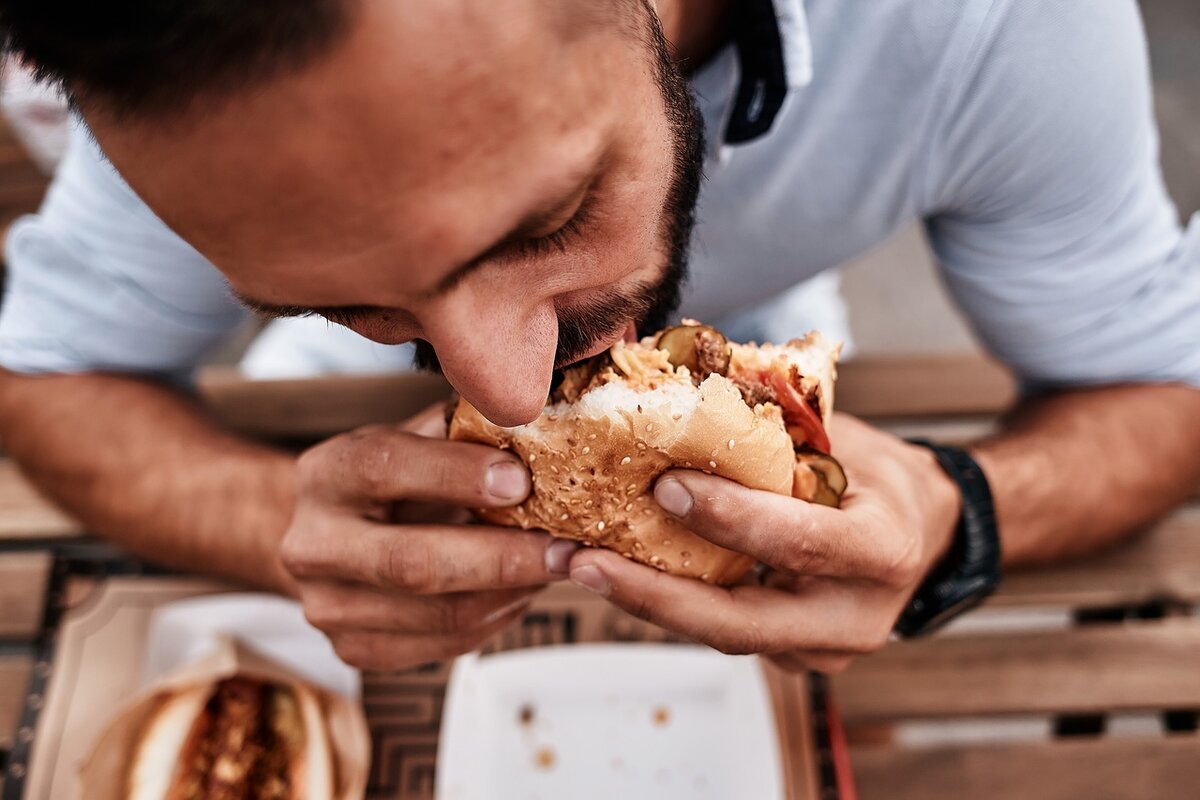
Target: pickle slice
700,348
819,478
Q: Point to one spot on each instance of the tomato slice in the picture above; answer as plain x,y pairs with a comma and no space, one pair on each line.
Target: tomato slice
798,413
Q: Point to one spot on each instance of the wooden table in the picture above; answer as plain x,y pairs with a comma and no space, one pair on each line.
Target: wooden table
1070,646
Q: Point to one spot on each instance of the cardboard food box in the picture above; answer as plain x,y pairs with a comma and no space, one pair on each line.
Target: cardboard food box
100,647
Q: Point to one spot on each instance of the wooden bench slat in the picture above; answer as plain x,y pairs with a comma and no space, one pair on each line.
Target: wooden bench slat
23,578
924,386
14,680
1163,564
1097,769
1147,665
317,407
893,387
24,513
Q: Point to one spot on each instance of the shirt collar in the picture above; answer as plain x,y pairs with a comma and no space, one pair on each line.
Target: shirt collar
774,57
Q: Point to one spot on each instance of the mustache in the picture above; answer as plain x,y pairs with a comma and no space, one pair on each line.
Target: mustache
648,304
580,327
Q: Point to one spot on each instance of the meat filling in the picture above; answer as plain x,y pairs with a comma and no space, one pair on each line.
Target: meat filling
236,750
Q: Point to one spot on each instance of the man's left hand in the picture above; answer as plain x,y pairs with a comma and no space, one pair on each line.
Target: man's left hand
836,578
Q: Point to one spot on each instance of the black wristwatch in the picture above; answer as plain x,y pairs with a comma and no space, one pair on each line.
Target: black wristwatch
971,571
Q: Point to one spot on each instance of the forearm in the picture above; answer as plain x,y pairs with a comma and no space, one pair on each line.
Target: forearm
141,465
1075,471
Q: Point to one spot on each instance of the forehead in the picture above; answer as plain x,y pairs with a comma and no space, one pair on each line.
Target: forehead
427,118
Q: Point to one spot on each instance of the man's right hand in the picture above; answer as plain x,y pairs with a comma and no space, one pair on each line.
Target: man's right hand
384,565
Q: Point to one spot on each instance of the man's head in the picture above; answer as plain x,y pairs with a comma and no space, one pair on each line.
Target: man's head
510,183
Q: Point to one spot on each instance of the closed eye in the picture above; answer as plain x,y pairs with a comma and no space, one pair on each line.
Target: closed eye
562,238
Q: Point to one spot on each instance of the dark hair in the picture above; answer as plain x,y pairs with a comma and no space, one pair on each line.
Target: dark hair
146,56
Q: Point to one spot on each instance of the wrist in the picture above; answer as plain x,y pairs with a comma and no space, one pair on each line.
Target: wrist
970,570
942,501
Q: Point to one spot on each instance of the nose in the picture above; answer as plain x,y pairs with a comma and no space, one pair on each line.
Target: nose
500,363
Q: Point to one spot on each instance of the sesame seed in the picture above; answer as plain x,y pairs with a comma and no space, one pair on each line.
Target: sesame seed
532,458
554,469
591,437
587,503
648,511
554,417
731,443
667,542
704,576
687,463
565,516
600,525
686,563
641,445
650,427
677,417
587,450
712,464
655,560
713,453
629,506
631,487
625,460
627,555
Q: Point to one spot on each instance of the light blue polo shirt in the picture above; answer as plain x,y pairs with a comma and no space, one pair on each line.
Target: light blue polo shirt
1019,132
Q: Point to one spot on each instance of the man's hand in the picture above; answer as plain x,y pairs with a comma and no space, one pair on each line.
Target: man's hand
837,579
383,563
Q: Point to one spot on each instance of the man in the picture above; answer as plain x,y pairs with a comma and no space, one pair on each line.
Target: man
513,186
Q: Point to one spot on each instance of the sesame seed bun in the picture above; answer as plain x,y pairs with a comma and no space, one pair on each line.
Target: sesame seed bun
594,460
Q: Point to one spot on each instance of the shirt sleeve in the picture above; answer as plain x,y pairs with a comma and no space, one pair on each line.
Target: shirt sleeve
1045,201
97,282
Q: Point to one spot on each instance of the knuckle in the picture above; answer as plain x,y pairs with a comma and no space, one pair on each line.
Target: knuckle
374,466
804,552
409,567
309,467
454,614
902,566
831,665
323,616
738,642
296,556
874,640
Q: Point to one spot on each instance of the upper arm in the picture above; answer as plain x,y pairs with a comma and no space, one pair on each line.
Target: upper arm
97,282
1046,206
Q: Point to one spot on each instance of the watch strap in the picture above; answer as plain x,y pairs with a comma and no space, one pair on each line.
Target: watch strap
971,571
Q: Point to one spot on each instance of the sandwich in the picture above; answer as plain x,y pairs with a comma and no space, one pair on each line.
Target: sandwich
236,739
683,398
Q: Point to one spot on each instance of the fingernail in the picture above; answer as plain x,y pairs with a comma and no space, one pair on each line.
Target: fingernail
592,579
673,497
504,611
507,480
558,556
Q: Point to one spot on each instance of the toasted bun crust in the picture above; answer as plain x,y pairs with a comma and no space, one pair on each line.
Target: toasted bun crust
162,739
594,462
313,772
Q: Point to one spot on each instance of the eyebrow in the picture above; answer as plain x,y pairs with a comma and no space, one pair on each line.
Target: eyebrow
525,228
